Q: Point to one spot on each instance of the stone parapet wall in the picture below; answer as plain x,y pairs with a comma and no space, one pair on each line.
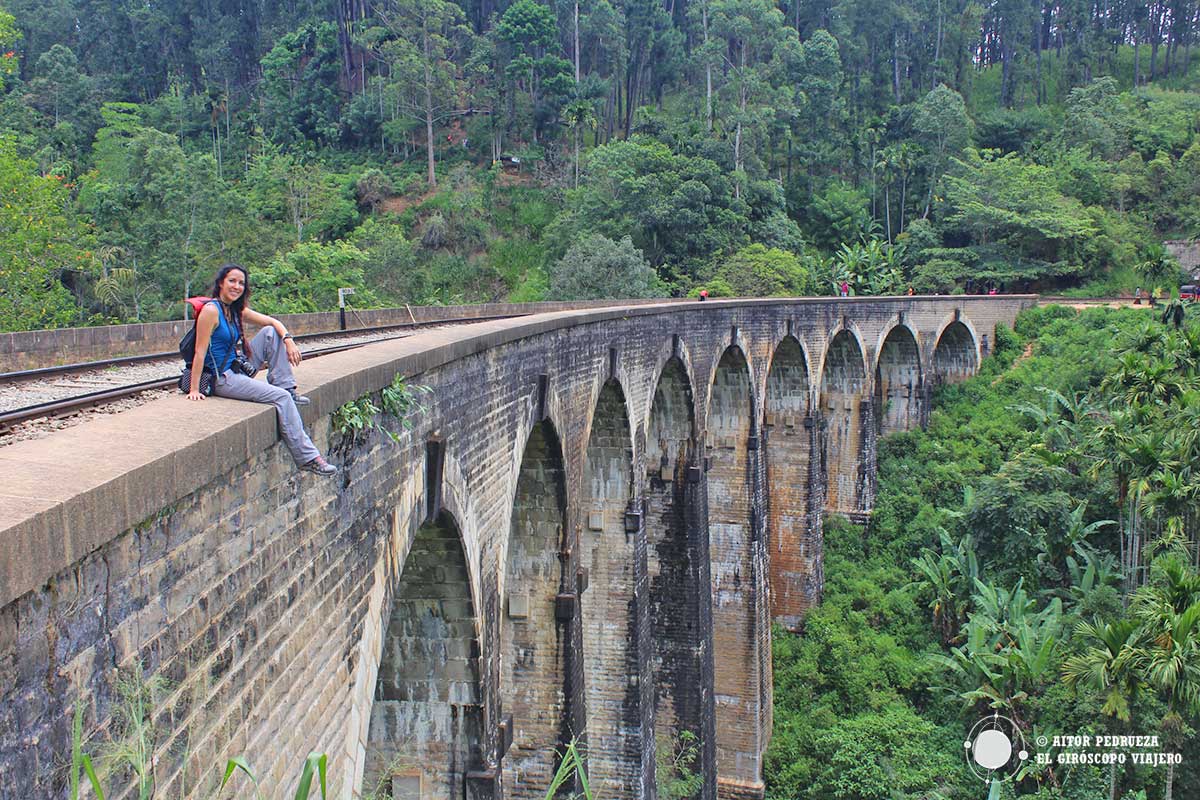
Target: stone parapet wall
179,537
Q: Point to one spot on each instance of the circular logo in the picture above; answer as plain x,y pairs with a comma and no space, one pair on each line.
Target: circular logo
995,748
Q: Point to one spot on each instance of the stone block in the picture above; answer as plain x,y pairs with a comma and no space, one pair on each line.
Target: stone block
518,606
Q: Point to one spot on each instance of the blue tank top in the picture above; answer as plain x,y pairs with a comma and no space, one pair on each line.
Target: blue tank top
221,346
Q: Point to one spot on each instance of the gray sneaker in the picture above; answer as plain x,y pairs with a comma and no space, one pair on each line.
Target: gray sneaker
299,399
319,466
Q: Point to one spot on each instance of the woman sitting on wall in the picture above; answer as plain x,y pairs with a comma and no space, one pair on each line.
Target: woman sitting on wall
218,330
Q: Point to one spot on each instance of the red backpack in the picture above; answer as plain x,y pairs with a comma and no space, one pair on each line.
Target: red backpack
197,303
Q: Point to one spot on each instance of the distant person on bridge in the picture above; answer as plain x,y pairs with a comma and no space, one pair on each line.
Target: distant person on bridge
218,330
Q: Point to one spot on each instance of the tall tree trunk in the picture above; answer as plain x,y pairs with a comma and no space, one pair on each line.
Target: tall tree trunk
1155,35
432,176
873,208
937,48
1006,74
631,78
576,48
887,209
1037,49
896,63
708,103
1137,61
737,141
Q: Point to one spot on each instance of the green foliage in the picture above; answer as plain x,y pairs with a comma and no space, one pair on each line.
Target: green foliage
399,400
254,130
300,85
389,261
42,245
758,271
597,267
9,36
675,762
869,267
1003,201
675,208
571,771
356,419
839,213
307,277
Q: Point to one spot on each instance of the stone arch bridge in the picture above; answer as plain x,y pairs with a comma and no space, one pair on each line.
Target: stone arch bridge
586,532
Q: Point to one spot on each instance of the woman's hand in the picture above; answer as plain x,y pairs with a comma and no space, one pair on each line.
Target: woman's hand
195,396
293,352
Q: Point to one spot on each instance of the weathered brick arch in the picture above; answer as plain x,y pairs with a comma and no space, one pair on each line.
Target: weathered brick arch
405,521
852,329
426,716
847,421
671,350
956,350
793,512
533,680
899,379
608,551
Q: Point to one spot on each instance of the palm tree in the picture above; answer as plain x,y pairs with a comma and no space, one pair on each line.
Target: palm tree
1168,609
1132,448
1137,380
1108,666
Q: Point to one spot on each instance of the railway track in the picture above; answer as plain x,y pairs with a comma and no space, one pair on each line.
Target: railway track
1090,301
55,392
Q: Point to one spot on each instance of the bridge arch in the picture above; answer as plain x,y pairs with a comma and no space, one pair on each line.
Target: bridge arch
793,520
425,722
846,419
533,676
608,550
899,380
956,350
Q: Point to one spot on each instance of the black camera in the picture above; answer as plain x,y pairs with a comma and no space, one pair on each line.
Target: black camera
243,367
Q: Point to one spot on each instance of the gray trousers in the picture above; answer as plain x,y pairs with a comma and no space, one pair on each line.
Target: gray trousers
268,348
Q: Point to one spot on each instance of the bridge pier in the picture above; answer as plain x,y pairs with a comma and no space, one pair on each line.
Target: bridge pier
680,609
792,481
739,596
535,678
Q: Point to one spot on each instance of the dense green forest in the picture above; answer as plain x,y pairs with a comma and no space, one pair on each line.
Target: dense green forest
429,151
1033,553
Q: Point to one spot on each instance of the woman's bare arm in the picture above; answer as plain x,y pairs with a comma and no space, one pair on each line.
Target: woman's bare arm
206,323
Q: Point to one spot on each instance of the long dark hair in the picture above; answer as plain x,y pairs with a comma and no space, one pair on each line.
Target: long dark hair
237,306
